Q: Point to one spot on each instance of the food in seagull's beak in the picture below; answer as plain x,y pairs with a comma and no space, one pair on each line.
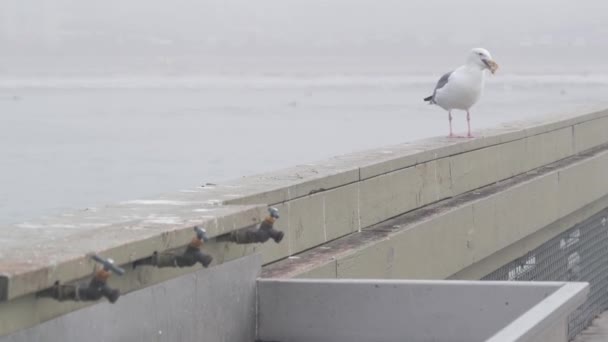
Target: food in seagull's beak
491,65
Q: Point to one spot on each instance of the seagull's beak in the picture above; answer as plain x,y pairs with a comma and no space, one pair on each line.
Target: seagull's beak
492,66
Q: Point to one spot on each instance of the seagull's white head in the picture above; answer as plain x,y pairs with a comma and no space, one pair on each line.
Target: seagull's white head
482,58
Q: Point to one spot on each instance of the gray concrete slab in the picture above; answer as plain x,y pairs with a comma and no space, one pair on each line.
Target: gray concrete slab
32,258
404,310
441,239
319,201
209,305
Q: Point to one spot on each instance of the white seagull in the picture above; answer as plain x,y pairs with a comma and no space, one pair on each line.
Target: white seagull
461,88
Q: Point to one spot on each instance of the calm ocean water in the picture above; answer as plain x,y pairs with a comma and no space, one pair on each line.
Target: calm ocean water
69,144
114,100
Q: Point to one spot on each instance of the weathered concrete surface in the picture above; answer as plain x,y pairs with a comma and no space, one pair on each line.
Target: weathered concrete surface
531,242
440,240
35,256
208,305
596,332
399,310
548,320
319,202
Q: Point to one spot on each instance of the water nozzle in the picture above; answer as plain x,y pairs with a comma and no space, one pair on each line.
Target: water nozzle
201,233
108,264
262,234
274,212
96,288
190,257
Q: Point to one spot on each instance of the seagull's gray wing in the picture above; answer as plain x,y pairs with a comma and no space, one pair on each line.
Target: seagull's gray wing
442,82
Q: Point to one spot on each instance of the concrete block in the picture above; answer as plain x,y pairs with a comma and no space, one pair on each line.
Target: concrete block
398,310
501,133
64,258
446,247
389,195
326,271
546,148
522,210
436,181
327,177
296,182
548,320
305,222
470,169
319,202
481,268
473,231
391,159
441,147
375,260
481,167
397,157
215,304
483,229
511,160
557,121
341,213
583,183
591,133
321,217
268,192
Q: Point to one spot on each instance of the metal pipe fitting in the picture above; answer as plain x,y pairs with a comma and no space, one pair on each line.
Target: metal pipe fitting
189,257
262,234
95,290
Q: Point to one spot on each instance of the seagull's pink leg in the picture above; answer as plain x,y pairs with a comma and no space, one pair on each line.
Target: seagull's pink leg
450,118
469,124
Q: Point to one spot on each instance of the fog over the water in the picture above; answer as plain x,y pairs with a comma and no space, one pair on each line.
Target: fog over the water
182,37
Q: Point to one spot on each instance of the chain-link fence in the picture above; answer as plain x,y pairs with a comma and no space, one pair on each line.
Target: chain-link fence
578,254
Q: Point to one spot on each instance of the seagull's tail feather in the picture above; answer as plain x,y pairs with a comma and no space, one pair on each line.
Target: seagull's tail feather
429,99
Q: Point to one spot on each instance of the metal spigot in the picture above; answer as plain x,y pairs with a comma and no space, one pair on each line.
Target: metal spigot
190,257
262,234
96,288
108,264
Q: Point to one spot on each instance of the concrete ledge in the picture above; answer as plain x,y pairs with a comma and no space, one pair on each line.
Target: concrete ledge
442,239
209,305
486,266
398,310
228,303
57,251
319,202
300,181
547,320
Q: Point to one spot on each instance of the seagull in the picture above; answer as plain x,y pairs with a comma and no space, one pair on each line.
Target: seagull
461,88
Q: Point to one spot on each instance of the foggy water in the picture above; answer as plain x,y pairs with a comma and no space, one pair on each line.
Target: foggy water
101,102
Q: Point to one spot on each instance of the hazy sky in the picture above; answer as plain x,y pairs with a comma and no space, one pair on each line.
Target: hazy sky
45,34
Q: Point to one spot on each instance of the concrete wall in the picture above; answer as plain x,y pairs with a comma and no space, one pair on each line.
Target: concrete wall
228,304
336,201
443,239
547,320
215,305
383,310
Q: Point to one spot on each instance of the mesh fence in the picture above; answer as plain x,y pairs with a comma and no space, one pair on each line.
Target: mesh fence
578,254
